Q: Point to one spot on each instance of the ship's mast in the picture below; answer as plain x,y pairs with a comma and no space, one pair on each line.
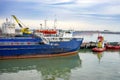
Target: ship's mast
40,26
45,24
55,21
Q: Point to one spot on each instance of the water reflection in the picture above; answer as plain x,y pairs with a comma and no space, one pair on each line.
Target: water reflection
114,51
99,55
119,53
58,68
108,69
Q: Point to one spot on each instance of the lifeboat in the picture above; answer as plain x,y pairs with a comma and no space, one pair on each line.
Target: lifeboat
98,49
47,31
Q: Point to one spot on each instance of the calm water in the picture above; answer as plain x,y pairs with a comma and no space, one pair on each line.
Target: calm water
84,66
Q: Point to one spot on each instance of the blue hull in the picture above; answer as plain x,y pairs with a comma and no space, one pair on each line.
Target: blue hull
41,49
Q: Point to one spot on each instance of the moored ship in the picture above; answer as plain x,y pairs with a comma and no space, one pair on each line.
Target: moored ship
34,44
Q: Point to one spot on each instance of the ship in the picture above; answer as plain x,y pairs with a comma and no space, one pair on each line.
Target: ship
35,44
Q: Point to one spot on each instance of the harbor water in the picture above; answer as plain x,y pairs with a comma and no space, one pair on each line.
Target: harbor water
85,65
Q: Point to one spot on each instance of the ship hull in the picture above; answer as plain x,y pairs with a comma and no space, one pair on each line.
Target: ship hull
40,50
38,55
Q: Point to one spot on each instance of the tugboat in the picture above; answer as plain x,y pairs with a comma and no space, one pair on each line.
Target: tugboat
99,47
32,44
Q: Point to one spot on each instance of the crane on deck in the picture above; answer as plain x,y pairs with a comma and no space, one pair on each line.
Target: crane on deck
23,30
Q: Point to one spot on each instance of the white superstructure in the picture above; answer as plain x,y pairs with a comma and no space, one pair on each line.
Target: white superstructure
8,28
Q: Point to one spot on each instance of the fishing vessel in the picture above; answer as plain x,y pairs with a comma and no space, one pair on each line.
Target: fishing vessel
35,44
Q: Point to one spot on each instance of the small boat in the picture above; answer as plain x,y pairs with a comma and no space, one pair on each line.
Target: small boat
98,49
47,31
108,46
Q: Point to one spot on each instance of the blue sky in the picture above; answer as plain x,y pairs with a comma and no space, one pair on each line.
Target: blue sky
70,14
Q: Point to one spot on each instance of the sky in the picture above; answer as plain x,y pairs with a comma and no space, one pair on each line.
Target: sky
69,14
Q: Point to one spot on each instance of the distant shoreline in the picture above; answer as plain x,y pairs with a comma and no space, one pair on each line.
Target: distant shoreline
103,32
86,31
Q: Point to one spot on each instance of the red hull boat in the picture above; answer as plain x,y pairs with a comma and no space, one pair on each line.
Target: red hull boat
112,46
98,49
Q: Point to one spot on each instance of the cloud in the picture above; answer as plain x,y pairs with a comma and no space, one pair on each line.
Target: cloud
42,1
111,10
90,12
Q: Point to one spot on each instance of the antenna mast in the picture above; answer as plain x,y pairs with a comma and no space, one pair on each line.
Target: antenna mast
55,21
45,24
